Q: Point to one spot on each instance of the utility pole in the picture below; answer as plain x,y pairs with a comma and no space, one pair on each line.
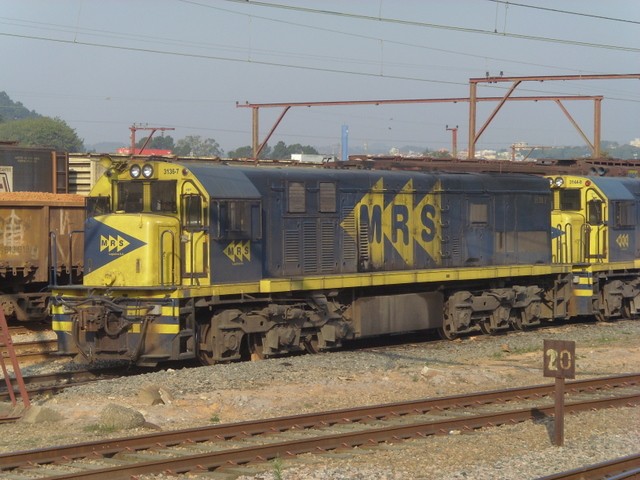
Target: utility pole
135,128
454,140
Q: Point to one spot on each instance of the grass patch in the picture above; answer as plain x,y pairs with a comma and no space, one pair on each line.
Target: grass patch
276,463
100,428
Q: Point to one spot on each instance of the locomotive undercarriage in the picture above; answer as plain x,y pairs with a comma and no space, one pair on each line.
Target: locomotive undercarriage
518,307
313,324
214,331
617,297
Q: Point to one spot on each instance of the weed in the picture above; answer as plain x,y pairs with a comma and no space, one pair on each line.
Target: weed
277,468
215,418
100,428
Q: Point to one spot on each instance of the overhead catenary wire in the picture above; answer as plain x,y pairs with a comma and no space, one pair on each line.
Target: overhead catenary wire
415,23
509,3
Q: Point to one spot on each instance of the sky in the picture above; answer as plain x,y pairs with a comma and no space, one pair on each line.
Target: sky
103,66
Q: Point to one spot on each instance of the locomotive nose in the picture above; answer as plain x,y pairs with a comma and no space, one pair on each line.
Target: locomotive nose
146,255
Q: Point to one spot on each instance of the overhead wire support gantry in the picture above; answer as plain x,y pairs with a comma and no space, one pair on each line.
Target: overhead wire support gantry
597,112
258,146
472,99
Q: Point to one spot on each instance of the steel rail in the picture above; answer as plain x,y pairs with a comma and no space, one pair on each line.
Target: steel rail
305,421
37,350
214,460
55,382
618,468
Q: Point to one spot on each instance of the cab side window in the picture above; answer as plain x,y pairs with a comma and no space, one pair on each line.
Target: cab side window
236,219
192,211
624,214
594,212
97,206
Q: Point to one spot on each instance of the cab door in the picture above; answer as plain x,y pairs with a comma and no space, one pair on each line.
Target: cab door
595,229
578,226
194,240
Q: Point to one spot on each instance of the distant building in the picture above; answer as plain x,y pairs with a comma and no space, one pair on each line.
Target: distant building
312,158
487,154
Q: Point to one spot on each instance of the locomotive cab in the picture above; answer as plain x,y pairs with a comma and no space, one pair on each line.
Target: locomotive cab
578,221
133,234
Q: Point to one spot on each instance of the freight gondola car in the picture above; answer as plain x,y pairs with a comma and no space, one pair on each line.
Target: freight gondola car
188,260
28,221
34,203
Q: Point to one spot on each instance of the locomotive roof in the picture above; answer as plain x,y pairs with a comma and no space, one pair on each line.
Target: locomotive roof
222,181
238,181
617,188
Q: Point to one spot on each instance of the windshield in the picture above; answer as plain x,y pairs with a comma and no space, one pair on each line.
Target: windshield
98,206
156,196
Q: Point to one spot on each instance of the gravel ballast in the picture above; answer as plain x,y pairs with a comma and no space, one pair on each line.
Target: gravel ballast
190,397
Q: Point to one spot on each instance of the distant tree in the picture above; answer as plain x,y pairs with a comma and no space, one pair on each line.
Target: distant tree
283,152
437,153
10,110
308,149
280,151
42,132
163,142
247,152
195,146
241,152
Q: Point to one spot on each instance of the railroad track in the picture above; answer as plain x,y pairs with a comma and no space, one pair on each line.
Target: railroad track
35,350
619,468
54,382
216,447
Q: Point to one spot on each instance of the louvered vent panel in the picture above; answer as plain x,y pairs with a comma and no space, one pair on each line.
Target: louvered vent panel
327,247
363,241
310,247
291,246
349,231
455,248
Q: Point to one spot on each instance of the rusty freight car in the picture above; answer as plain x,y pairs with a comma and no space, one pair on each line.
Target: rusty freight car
29,222
33,169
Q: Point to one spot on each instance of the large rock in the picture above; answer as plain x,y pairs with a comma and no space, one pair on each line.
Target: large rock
121,418
155,395
36,414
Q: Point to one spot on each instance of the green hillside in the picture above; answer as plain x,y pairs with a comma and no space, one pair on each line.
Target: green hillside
10,110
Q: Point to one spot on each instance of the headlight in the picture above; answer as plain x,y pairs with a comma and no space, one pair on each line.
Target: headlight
134,171
147,170
558,182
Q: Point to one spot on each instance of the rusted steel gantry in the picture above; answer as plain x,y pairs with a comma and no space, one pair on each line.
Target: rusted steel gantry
255,107
473,99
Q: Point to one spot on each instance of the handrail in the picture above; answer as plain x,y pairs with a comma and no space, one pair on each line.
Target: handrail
71,234
53,258
173,258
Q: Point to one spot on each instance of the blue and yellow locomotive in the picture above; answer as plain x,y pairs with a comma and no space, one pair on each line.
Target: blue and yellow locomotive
188,259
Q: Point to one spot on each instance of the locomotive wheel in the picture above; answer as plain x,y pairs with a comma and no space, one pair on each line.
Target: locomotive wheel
600,316
255,346
311,344
448,330
205,357
516,319
626,310
485,327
